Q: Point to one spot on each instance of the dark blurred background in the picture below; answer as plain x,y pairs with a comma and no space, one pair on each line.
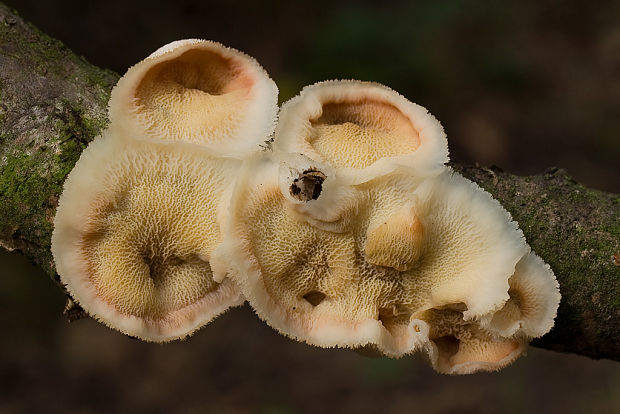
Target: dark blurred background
525,85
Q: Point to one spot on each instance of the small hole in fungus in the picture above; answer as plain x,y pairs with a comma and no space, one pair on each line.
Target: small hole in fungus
385,314
314,297
149,261
393,316
416,328
308,185
448,345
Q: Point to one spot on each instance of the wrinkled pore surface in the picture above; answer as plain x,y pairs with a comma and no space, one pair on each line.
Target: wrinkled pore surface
151,231
461,342
315,276
358,133
199,95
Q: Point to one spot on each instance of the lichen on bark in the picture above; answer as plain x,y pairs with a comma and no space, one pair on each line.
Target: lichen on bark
53,103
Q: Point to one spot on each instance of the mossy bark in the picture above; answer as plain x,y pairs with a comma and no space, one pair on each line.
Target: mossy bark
53,103
577,231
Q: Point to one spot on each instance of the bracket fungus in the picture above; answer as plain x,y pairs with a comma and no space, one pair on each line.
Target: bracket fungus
363,129
200,92
347,230
345,235
140,214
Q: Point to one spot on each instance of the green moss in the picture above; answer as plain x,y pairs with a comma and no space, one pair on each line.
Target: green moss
30,183
33,168
23,195
612,229
19,180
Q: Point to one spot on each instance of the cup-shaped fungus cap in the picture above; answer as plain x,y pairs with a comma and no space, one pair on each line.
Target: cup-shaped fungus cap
460,345
133,234
534,297
457,346
409,246
362,129
200,92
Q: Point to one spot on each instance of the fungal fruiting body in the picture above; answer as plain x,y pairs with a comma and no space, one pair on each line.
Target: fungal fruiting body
394,251
135,252
140,214
361,128
200,92
347,229
419,266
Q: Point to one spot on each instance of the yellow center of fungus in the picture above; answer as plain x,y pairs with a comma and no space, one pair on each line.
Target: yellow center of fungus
356,134
148,244
200,95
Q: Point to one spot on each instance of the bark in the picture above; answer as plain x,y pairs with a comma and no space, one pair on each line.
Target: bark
53,103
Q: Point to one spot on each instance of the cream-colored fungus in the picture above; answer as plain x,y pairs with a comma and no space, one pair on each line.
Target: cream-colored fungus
363,129
458,346
533,300
141,212
353,233
410,250
135,229
197,91
350,232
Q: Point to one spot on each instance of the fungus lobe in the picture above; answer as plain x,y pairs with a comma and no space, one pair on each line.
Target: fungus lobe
364,129
396,252
140,214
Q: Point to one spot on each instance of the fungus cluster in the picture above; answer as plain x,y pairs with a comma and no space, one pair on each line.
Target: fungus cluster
348,230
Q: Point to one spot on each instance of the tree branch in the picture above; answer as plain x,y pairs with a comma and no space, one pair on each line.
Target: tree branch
52,103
